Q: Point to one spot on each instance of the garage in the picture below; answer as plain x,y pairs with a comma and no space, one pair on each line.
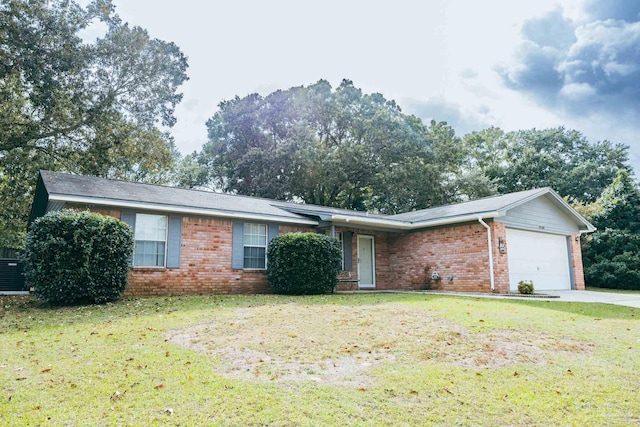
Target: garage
540,257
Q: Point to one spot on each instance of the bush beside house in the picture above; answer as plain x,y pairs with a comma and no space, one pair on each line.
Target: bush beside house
78,257
303,263
611,255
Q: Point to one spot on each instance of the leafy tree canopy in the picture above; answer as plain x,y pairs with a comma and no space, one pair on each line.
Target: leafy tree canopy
336,147
611,255
95,108
558,158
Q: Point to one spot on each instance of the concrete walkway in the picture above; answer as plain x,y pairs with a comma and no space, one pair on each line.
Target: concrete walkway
629,300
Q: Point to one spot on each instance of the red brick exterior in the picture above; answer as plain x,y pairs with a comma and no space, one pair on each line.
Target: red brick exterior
205,264
458,254
404,261
500,260
576,259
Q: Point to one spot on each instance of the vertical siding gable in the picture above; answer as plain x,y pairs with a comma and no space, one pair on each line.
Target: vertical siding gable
174,241
54,206
540,214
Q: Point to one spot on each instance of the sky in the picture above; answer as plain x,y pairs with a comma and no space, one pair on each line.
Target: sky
474,64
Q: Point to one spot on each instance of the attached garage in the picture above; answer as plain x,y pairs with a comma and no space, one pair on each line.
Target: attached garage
540,257
537,241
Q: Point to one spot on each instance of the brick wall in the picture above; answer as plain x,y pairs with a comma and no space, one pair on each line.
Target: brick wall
205,264
403,261
500,261
459,252
576,260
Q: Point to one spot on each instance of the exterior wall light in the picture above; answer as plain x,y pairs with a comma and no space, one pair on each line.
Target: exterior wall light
501,245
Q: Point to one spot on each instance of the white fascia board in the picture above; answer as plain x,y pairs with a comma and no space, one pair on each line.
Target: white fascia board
179,209
405,225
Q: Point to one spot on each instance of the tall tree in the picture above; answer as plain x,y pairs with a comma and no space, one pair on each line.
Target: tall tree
336,147
96,108
611,255
558,158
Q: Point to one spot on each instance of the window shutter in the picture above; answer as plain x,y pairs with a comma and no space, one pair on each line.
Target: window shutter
174,241
347,237
129,217
237,247
274,230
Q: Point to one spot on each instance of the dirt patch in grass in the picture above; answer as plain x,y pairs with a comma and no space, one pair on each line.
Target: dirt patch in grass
341,344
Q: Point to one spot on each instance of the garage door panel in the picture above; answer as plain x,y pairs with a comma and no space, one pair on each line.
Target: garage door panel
540,257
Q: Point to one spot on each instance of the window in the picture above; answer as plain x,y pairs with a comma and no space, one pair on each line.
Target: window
151,240
255,246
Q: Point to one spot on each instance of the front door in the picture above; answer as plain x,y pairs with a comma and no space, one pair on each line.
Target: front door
366,262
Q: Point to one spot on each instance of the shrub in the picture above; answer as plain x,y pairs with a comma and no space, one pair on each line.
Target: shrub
525,287
303,263
78,257
620,272
611,259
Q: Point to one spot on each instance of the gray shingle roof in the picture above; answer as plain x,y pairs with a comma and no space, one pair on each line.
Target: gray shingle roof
116,190
487,204
109,192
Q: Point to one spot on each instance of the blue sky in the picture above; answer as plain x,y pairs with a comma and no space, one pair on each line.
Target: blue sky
474,64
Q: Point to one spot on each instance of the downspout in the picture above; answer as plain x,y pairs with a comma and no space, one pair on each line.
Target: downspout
485,225
333,231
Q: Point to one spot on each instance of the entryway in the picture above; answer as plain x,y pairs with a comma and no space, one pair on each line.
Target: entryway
366,262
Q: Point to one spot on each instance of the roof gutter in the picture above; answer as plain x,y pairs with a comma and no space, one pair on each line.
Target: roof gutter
406,225
491,274
179,209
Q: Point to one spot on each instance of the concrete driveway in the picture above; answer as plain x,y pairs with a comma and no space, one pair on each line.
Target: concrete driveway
630,300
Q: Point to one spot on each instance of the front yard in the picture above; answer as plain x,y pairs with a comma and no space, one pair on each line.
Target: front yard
368,359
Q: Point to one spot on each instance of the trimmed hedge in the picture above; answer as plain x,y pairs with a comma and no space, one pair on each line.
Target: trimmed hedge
303,263
76,257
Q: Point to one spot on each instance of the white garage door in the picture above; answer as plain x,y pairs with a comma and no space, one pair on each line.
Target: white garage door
540,257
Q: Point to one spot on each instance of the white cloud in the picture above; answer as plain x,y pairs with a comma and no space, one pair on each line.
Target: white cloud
577,91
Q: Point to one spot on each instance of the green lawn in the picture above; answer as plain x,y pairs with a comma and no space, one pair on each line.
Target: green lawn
368,359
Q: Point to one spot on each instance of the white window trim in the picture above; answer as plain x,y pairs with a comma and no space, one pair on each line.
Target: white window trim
266,244
166,243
